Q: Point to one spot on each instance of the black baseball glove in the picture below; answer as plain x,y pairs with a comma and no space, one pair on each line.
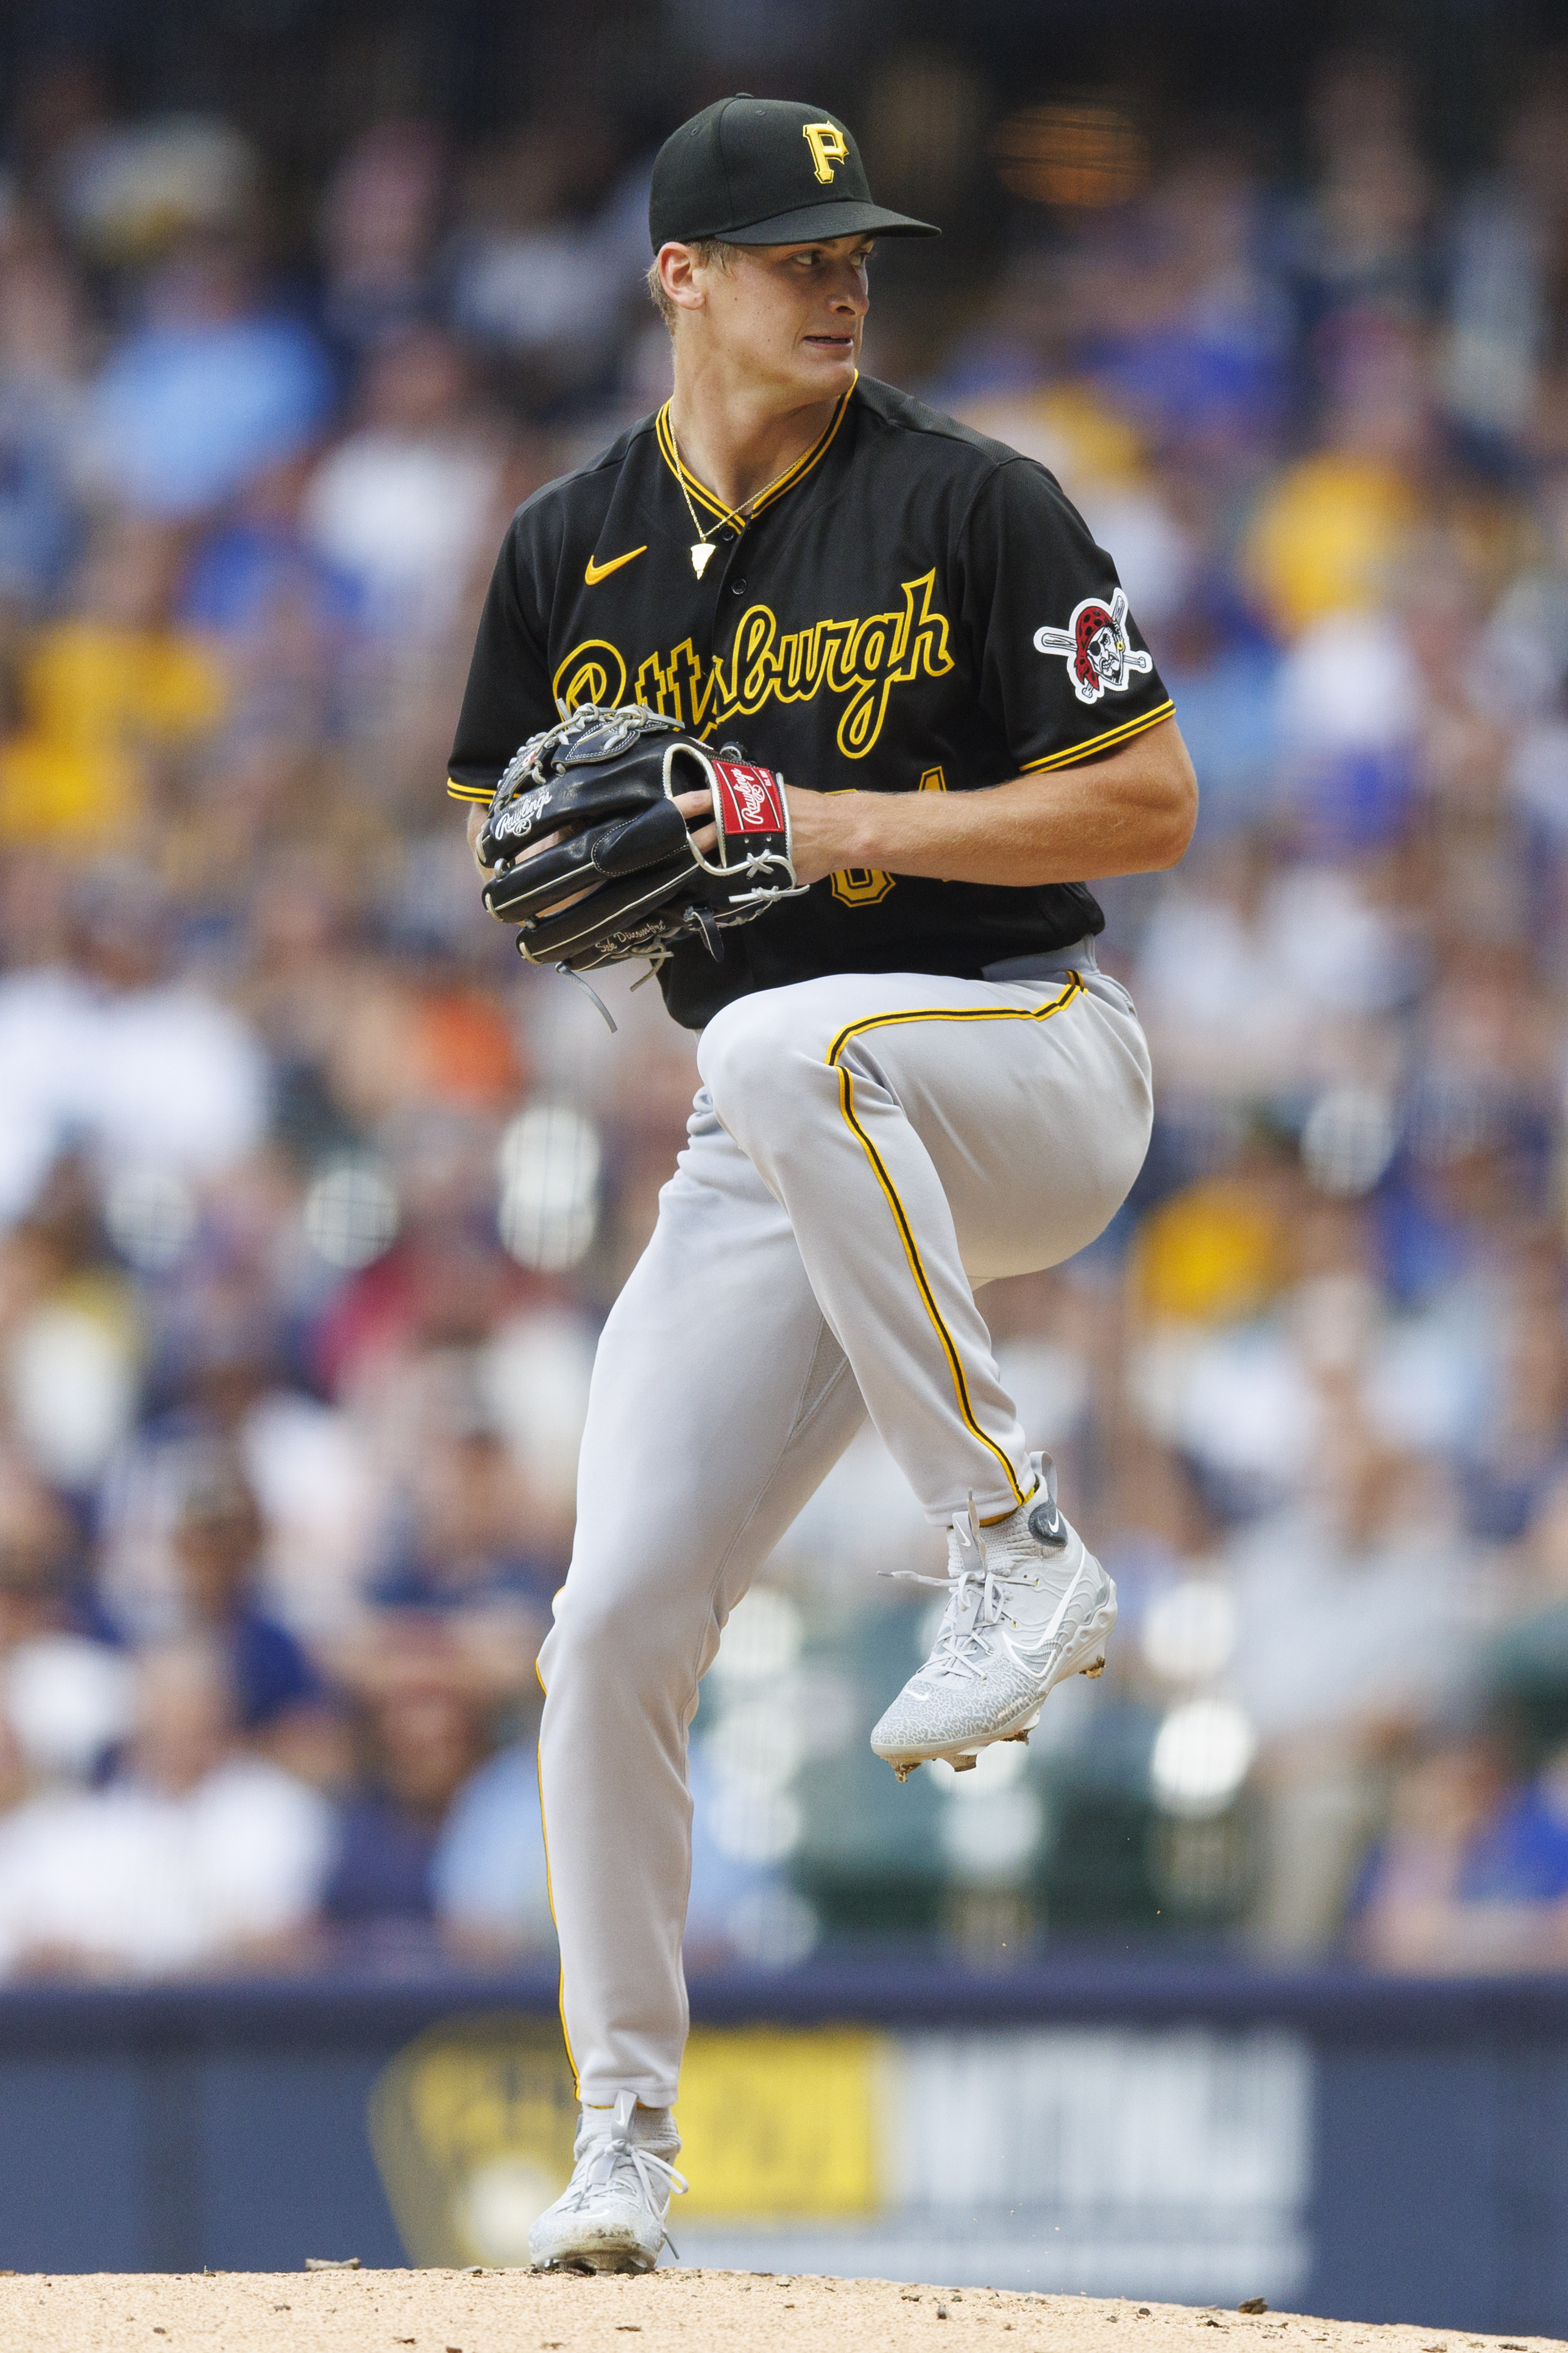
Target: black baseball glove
596,864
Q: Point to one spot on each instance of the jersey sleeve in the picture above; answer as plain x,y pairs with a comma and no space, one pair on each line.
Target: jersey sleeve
1063,670
507,699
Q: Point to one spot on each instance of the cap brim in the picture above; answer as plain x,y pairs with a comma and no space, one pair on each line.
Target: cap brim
846,218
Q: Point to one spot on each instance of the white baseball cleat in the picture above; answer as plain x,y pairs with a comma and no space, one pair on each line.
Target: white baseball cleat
611,2215
1028,1605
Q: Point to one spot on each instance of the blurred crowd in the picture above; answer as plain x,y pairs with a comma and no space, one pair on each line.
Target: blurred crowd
311,1197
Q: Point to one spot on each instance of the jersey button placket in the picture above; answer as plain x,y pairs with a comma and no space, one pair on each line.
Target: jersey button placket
710,593
732,580
729,583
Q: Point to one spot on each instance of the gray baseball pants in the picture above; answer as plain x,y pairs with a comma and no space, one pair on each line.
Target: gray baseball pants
865,1149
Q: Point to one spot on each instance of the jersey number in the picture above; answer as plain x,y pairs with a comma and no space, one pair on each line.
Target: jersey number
860,886
863,886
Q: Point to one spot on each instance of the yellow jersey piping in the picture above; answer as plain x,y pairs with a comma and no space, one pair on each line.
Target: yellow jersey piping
1075,987
550,1892
802,466
468,792
1113,737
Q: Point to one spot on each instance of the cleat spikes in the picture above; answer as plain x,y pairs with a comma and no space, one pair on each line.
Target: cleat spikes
964,1764
1022,1736
1098,1668
902,1772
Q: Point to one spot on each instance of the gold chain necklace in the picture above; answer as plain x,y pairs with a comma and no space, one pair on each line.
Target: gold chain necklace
702,545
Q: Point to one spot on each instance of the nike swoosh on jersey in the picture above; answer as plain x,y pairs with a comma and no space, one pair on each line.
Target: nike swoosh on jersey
597,572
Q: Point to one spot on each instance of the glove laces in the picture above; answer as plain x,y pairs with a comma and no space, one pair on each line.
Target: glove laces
607,2153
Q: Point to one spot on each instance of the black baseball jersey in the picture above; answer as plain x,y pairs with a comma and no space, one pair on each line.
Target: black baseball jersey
911,608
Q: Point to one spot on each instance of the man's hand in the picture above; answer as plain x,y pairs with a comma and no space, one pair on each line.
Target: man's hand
478,812
1130,813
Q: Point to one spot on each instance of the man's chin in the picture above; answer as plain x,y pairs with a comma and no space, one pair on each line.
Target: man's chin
803,376
826,372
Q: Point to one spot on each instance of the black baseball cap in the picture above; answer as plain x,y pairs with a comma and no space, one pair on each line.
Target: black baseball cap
765,171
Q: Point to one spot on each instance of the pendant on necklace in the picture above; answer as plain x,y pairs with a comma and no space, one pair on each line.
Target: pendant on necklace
701,549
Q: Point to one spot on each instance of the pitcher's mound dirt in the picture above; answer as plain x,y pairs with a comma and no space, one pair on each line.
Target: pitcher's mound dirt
682,2310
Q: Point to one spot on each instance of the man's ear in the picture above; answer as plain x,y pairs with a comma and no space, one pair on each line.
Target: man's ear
677,266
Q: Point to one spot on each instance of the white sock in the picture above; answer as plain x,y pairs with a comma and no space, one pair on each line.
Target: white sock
650,2127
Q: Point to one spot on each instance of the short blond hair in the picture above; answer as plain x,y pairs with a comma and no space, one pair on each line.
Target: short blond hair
711,251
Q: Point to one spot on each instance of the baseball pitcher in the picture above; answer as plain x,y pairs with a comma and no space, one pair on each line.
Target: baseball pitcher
823,705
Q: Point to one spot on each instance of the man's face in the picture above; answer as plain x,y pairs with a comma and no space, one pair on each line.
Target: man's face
787,317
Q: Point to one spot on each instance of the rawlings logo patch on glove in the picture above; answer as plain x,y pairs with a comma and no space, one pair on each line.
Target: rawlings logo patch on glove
752,798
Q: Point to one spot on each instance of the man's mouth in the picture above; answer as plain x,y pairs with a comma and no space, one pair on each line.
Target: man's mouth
831,342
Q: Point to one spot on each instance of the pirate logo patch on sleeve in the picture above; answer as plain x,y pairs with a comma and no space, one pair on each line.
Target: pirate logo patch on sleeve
1095,649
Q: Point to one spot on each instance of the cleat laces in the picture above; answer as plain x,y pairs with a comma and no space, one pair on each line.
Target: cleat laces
609,2156
976,1609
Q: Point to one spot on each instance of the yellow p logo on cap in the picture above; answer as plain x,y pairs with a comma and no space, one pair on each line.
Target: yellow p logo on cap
827,147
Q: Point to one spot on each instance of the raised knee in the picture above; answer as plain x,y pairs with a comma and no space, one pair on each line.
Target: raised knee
752,1061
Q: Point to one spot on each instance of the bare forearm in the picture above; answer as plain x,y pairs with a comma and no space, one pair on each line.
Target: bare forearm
1130,814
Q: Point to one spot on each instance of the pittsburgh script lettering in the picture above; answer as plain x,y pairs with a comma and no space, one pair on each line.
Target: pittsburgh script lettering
860,662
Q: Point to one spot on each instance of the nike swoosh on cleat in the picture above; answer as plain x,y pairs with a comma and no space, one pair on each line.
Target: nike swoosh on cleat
1053,1639
1036,1658
597,572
